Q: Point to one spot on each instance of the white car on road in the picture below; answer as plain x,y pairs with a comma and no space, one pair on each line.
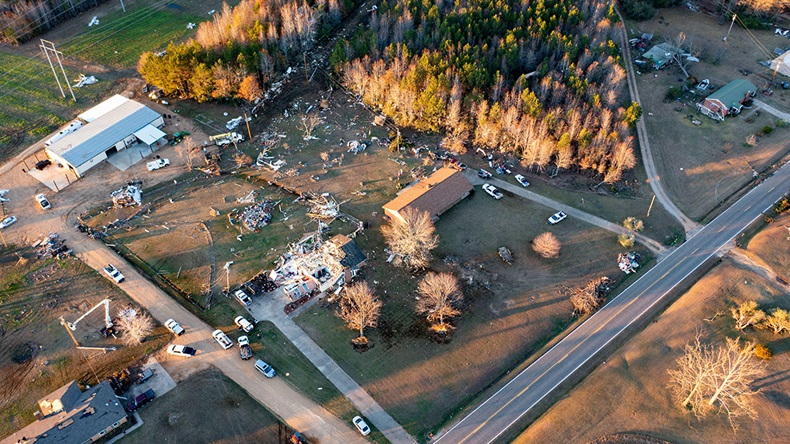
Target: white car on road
522,180
7,222
113,273
222,339
243,324
174,326
492,191
181,350
557,217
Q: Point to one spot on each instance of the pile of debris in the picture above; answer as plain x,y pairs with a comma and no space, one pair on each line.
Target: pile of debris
131,194
257,216
120,382
261,283
506,255
355,147
628,262
51,246
248,199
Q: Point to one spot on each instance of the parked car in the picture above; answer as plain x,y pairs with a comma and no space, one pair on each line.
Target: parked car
242,297
243,324
460,166
159,163
140,400
144,375
42,200
7,222
557,217
181,350
492,191
244,348
175,327
484,174
264,368
522,180
361,425
222,339
41,164
113,273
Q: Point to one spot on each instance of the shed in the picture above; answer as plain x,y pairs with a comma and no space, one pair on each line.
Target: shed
729,99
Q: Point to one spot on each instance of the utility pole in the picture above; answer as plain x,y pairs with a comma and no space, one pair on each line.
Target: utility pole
122,6
734,16
248,126
48,47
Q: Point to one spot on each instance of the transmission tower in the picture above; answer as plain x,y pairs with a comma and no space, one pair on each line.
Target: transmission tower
49,47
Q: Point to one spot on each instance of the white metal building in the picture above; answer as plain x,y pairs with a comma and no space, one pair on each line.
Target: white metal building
112,126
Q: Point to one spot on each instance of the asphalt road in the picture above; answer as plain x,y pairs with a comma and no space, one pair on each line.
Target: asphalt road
498,413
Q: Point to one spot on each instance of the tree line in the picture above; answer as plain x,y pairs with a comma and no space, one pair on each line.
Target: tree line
539,80
20,21
240,52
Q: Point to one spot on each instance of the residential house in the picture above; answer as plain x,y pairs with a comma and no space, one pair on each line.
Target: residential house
660,55
729,99
434,194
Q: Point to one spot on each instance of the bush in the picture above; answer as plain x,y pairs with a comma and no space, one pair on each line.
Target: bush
767,129
546,245
638,10
762,352
673,93
633,224
782,206
781,123
626,240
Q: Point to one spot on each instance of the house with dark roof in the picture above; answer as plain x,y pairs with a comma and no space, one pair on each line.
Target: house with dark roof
112,126
434,194
728,100
69,415
312,264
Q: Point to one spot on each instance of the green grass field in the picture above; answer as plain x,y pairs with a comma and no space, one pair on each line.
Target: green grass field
121,37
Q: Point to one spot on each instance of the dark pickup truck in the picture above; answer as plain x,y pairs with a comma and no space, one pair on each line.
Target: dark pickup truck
140,400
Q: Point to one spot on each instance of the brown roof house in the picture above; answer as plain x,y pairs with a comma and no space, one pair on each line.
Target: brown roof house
434,194
69,415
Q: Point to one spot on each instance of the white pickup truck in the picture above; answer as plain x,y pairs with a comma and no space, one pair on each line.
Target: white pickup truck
113,273
159,163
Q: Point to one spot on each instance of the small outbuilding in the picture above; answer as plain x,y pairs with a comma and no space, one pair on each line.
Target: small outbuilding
111,126
434,194
660,55
728,100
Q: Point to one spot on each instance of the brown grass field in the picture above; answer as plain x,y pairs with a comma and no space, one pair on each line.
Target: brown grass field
207,407
35,351
628,392
703,165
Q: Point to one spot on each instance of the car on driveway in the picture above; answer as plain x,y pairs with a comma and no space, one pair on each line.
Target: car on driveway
140,400
484,174
243,324
42,200
242,297
244,348
361,425
557,217
264,368
492,191
113,273
222,339
159,163
522,180
181,350
174,326
8,221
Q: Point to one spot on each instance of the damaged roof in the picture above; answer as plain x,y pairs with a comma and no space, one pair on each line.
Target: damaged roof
352,254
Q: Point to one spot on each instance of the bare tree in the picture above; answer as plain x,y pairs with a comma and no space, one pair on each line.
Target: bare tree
242,160
683,52
440,298
186,151
778,321
134,325
546,245
411,238
712,379
590,297
747,314
308,123
360,309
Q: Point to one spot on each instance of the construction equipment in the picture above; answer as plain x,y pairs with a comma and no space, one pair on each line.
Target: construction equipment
226,138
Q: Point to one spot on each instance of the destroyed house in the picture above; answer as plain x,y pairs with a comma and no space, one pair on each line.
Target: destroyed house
434,194
315,265
69,415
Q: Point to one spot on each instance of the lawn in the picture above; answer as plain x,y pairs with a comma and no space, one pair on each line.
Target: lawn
701,166
207,407
30,102
508,312
37,356
628,392
771,245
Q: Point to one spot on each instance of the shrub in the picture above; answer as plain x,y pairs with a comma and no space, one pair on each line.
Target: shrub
767,129
546,245
781,123
763,352
626,240
633,224
782,206
673,93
